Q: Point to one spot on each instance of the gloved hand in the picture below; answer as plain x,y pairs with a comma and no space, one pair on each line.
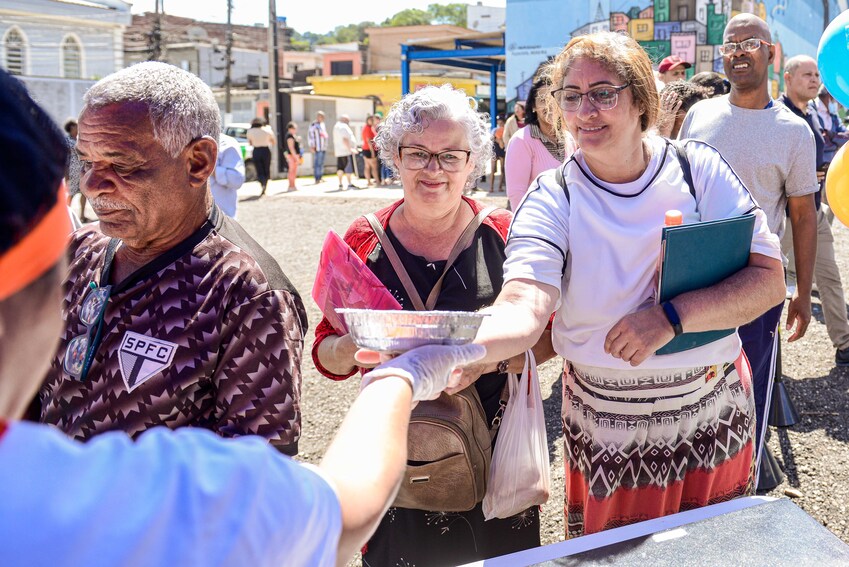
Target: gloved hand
428,369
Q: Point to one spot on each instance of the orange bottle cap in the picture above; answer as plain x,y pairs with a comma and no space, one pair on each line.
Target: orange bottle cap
673,218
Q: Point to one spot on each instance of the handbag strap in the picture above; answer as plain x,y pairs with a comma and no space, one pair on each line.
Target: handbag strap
495,424
462,243
530,366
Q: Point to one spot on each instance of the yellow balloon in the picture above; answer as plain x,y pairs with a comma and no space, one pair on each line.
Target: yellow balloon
837,185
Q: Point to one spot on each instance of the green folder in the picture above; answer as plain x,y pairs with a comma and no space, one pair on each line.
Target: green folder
699,255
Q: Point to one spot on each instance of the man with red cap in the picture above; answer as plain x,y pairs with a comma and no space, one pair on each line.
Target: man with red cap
672,68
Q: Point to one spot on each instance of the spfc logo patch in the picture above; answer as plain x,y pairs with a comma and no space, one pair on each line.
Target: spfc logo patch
141,357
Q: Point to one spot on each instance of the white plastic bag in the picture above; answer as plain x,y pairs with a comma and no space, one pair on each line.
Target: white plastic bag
519,476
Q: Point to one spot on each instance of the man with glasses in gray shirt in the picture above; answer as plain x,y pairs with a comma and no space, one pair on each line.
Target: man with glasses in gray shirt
773,153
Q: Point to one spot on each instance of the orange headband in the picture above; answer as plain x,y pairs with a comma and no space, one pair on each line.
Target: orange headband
39,250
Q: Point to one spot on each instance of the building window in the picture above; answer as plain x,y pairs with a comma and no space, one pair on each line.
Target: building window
683,14
341,67
15,62
72,60
642,28
706,56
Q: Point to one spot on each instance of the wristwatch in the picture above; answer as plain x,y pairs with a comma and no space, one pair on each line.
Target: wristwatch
501,368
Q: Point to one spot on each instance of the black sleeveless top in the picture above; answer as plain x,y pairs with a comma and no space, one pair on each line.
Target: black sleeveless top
471,284
286,144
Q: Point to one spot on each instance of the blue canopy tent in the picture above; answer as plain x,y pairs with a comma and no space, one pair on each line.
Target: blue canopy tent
477,52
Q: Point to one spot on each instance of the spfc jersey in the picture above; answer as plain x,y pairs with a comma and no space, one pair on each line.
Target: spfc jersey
210,334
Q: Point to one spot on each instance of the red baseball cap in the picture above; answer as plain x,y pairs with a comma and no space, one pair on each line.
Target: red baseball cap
671,62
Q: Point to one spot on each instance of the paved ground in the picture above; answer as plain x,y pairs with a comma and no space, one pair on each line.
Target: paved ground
329,187
814,453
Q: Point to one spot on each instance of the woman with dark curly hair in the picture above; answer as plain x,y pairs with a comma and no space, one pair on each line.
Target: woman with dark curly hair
676,98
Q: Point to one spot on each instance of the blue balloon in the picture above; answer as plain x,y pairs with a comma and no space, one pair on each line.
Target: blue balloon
833,58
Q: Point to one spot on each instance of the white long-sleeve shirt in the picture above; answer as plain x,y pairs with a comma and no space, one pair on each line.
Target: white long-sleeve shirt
185,497
228,176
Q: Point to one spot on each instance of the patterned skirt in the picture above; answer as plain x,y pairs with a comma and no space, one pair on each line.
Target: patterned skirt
641,445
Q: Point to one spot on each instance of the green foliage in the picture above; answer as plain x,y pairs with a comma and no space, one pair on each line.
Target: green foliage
351,32
436,14
299,45
410,17
454,14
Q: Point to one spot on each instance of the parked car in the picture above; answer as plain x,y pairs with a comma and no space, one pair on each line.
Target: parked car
239,131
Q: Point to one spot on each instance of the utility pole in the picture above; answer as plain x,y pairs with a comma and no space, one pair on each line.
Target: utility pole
156,35
228,66
273,88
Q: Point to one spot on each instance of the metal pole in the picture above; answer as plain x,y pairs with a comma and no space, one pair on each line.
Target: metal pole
228,54
405,71
493,95
156,35
272,76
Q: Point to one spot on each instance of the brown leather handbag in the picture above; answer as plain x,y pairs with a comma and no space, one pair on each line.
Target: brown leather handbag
449,443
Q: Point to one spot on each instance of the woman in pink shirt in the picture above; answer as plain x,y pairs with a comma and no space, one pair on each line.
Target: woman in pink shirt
534,148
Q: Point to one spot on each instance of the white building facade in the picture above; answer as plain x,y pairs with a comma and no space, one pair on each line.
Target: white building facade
59,48
485,18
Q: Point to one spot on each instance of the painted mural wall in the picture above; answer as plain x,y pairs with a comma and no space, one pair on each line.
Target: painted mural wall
691,29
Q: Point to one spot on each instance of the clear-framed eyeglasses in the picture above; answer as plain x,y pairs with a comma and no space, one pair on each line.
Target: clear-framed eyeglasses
747,45
81,349
451,161
603,97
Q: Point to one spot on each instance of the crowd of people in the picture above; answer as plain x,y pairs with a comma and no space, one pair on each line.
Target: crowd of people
263,141
157,354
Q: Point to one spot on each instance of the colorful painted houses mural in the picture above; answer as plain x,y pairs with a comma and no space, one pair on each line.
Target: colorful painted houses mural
690,29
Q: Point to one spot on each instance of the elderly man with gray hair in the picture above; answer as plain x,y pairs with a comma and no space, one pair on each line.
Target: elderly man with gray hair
173,315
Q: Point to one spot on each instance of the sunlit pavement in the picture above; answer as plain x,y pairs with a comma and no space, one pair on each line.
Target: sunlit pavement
329,187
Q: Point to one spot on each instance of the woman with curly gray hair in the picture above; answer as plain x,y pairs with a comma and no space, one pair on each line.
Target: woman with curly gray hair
438,144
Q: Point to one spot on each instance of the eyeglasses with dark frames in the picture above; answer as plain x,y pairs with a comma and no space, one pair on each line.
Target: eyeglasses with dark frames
747,45
451,161
604,97
81,349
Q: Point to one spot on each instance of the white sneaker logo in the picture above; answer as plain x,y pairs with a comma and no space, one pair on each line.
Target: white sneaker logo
142,357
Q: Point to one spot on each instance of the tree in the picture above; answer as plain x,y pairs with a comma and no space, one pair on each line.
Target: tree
454,14
410,17
435,14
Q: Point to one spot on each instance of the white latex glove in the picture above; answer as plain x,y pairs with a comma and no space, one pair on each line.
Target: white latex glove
428,369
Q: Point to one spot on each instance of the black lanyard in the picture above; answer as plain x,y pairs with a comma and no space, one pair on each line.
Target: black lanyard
107,261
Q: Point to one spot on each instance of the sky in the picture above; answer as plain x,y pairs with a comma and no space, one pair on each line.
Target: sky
318,16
